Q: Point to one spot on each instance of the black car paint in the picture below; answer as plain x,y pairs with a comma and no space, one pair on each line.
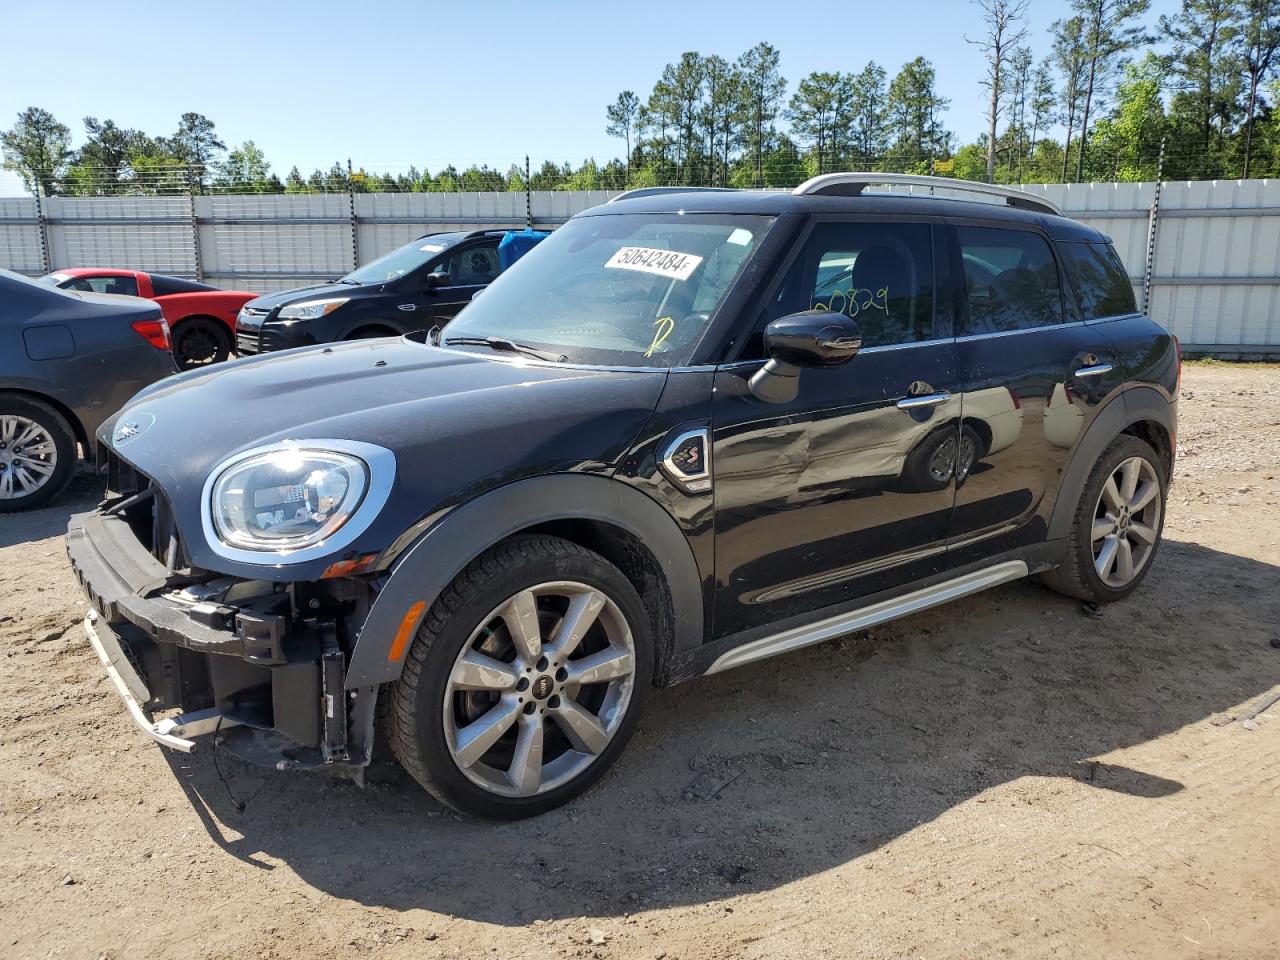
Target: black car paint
394,307
442,411
76,350
768,546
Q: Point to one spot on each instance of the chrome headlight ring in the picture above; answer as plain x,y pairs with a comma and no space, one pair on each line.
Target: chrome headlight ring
368,499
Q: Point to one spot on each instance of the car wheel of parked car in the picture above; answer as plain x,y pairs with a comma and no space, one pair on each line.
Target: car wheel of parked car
1117,525
37,453
932,464
200,341
524,682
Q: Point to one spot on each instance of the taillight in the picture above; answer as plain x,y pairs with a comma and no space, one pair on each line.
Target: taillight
155,332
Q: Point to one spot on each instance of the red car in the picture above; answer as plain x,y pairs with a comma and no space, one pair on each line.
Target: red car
202,319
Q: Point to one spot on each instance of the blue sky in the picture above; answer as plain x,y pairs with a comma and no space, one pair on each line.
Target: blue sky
397,83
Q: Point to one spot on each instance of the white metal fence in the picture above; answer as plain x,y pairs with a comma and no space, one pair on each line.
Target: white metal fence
1214,264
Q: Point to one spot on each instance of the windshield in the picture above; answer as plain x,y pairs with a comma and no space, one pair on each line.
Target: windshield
403,260
625,289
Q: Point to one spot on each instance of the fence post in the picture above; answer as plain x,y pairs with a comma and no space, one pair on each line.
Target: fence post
1153,221
528,195
355,223
195,225
43,223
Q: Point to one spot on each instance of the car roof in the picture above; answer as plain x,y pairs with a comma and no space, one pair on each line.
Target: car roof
777,202
96,272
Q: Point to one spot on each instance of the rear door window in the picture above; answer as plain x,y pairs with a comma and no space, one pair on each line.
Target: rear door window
473,265
1098,279
1011,281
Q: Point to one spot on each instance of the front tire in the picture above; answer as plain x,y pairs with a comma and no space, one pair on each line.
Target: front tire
37,453
1117,527
524,682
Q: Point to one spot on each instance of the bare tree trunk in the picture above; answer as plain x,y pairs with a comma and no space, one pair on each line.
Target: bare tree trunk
759,135
991,117
1084,118
1066,150
1248,126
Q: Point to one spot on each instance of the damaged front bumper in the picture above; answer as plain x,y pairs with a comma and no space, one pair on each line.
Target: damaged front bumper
170,732
237,659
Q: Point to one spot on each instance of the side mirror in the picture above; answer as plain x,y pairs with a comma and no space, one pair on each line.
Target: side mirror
812,338
438,278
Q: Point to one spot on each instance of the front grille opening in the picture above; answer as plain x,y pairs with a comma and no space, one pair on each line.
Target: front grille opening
133,496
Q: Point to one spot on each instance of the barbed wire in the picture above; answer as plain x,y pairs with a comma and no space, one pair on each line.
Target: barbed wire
1181,161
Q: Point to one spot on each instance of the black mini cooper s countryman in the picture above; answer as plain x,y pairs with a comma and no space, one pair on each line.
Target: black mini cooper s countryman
688,431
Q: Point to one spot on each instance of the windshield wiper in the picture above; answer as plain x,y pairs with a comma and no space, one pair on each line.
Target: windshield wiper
509,346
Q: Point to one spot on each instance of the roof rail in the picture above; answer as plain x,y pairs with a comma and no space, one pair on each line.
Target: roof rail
658,191
852,185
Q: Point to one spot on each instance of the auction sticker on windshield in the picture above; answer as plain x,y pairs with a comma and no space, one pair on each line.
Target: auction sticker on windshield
665,263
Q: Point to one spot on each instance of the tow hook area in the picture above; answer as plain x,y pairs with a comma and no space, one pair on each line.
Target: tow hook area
174,732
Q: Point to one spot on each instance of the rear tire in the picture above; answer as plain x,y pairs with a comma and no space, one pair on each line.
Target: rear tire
37,453
500,712
1117,527
200,342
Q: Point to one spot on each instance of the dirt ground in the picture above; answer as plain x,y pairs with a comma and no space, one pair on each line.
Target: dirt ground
1009,776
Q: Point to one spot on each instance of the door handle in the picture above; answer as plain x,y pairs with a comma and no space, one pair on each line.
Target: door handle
1097,370
924,400
407,307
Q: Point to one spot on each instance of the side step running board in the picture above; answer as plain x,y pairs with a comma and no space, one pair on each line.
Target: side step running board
860,619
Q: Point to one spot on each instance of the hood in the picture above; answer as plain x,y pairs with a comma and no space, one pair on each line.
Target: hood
270,301
458,423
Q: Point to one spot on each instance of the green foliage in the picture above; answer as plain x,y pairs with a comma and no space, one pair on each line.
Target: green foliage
913,109
246,170
37,149
1128,141
821,115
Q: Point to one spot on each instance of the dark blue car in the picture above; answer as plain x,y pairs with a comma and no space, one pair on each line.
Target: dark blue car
68,361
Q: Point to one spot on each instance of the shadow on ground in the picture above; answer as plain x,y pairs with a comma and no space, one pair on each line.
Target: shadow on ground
82,493
787,768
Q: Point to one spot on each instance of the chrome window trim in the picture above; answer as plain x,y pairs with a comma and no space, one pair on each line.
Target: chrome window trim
879,348
381,464
1012,333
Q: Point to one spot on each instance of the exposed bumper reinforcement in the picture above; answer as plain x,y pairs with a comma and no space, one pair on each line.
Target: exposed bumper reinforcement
171,732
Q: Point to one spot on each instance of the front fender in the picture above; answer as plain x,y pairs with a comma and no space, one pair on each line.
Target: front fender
426,568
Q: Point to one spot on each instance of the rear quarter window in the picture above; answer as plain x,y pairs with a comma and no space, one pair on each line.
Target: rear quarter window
163,286
1098,279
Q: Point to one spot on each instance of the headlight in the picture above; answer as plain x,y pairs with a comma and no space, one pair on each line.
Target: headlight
311,309
293,501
